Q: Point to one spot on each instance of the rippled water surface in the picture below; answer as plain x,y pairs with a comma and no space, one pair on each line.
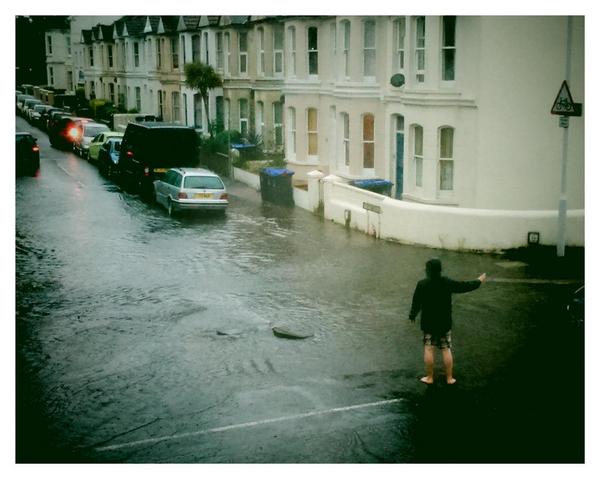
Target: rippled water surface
135,325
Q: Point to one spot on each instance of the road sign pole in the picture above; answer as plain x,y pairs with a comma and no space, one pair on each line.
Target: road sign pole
562,202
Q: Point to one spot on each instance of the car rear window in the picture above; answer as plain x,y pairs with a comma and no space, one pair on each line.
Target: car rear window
203,182
169,147
92,131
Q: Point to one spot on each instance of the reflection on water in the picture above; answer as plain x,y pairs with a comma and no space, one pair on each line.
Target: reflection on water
156,316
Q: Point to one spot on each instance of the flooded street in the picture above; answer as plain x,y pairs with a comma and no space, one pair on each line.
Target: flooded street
146,338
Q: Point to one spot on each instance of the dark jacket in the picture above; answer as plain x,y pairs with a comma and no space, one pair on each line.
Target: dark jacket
433,298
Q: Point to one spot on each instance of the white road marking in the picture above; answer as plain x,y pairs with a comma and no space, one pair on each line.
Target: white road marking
69,173
154,440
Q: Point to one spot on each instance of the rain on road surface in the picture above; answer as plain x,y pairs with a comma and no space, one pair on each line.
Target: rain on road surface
145,338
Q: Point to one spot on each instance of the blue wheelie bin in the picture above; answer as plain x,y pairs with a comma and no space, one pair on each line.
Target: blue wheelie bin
276,185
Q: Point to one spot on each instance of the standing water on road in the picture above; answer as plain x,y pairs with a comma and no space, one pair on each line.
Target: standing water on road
143,338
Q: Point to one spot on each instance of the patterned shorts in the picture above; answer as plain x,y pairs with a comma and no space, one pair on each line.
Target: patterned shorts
443,341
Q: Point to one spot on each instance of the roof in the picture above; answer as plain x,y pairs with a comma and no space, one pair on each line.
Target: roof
239,20
135,25
107,32
190,22
86,35
170,23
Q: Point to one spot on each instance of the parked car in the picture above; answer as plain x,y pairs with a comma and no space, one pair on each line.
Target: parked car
35,114
98,141
54,117
29,104
108,156
149,149
191,189
45,117
88,130
27,154
20,100
63,132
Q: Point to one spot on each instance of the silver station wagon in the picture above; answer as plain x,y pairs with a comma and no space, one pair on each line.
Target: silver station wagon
191,189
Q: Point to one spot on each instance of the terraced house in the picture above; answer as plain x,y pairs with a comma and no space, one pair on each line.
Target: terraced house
454,111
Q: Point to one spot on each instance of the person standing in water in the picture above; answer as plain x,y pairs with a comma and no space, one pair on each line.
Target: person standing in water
433,299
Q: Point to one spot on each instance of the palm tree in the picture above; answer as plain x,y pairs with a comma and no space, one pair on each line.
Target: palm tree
203,78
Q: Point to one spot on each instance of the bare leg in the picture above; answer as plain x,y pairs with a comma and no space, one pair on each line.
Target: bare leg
428,358
448,363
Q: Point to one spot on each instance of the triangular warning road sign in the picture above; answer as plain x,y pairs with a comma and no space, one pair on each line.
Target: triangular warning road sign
563,105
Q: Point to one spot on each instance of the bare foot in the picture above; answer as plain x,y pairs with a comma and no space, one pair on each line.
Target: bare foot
426,380
450,381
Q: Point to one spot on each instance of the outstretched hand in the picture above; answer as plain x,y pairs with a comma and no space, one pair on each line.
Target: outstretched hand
482,277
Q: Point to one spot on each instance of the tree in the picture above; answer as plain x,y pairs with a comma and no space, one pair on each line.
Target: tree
203,78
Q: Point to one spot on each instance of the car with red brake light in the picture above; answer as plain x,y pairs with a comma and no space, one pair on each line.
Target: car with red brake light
27,154
185,189
88,130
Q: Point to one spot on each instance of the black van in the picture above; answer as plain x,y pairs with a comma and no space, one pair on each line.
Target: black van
149,149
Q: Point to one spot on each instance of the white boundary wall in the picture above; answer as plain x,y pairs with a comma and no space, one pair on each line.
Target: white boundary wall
443,226
247,178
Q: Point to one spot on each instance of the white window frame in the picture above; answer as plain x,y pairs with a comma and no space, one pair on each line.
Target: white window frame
312,51
219,40
243,54
49,44
185,108
309,133
174,43
369,50
292,50
291,144
345,121
399,59
446,49
175,107
158,54
227,54
346,31
445,160
367,142
51,75
277,126
418,155
420,50
138,98
260,118
136,54
206,49
260,52
196,52
278,33
110,57
244,123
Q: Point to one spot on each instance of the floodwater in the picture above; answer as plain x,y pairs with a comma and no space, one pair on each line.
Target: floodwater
146,338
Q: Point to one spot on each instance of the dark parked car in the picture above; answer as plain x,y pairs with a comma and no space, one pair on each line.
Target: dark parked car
63,132
149,149
108,157
27,154
45,117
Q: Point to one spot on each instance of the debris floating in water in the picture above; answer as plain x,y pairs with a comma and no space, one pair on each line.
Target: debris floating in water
284,333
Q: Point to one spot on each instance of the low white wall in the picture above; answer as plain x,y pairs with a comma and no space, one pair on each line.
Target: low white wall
301,198
247,178
442,226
